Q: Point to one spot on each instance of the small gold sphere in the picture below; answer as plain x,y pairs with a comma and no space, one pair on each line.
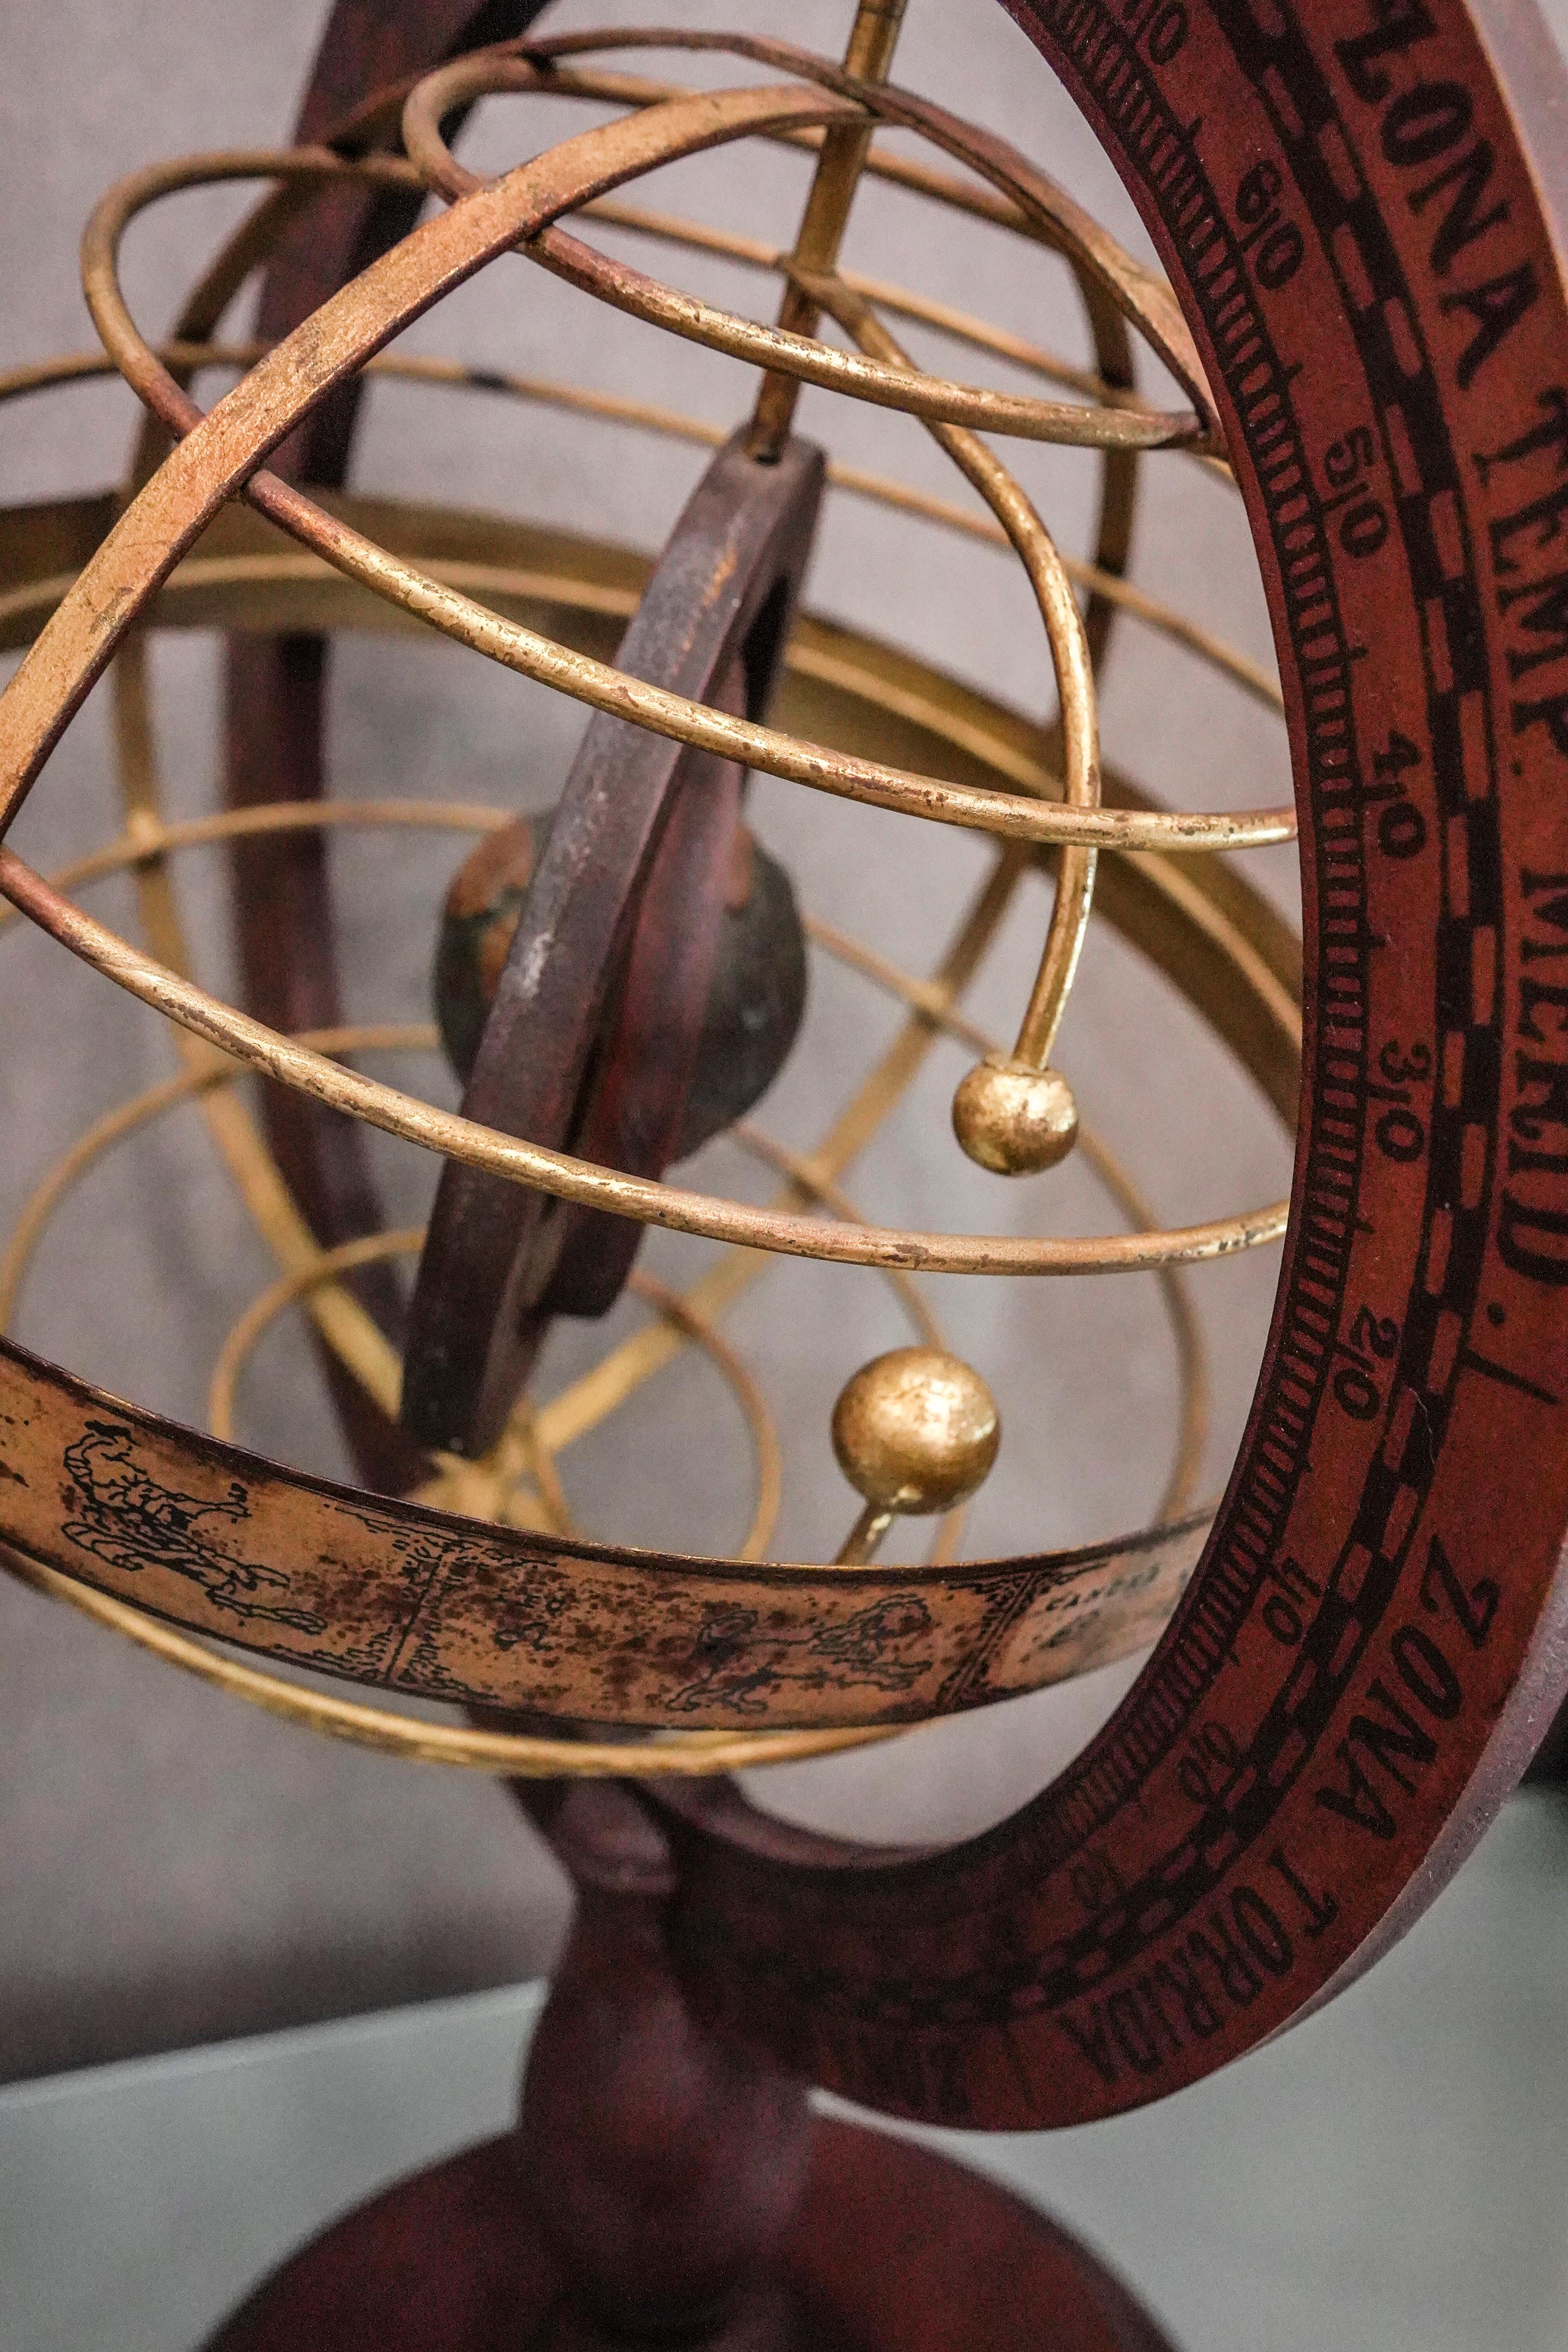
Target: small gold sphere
916,1430
1014,1118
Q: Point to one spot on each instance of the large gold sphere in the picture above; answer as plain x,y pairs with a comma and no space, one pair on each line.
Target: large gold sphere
916,1430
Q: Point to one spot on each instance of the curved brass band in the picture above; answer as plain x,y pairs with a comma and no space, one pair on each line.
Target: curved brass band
411,1600
1073,424
514,1755
605,407
1001,814
201,1079
1078,724
1030,199
668,1205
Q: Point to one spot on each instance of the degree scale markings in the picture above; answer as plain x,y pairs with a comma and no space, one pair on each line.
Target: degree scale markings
984,1935
1115,1770
1258,382
1172,1690
1300,108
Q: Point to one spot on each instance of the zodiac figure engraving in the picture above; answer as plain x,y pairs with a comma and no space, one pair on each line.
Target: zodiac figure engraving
447,1569
130,1521
738,1658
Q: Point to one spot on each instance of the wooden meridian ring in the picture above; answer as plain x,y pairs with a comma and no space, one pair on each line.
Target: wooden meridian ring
1374,1631
1376,1636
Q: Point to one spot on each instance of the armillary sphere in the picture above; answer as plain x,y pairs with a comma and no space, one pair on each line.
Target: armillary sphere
1361,324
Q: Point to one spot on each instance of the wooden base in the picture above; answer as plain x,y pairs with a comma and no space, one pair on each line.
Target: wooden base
893,2250
667,2191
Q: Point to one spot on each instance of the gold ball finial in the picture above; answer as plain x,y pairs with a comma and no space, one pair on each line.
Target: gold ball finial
916,1430
1014,1118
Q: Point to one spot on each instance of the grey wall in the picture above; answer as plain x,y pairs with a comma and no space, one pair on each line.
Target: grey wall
176,1867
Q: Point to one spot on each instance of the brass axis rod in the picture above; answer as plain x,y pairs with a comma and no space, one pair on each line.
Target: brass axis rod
869,54
864,1540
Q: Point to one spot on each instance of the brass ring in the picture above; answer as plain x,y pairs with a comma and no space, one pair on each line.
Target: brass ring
516,1756
1002,815
1074,424
117,1125
668,1205
248,1329
611,409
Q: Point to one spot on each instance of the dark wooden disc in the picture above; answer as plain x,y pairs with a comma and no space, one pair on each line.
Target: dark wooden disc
894,2250
592,1039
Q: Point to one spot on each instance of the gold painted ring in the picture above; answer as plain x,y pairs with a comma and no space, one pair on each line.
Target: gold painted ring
943,399
1002,815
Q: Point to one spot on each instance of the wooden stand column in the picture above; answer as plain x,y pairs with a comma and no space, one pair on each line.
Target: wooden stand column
666,2193
663,2169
